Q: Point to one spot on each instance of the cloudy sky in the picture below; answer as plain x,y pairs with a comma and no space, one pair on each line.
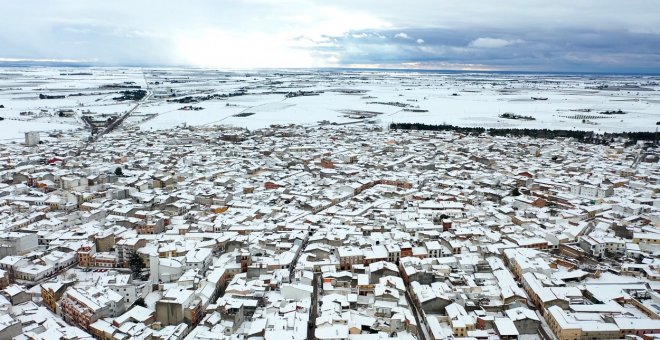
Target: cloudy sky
529,35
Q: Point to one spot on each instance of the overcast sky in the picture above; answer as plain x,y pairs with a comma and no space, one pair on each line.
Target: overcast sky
557,35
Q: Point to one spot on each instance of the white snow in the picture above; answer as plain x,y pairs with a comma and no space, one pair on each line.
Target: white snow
457,99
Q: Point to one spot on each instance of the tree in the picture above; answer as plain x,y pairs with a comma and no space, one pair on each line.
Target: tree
136,263
140,302
515,192
119,172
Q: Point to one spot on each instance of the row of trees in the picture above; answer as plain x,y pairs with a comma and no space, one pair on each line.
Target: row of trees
197,99
509,115
583,136
440,127
131,95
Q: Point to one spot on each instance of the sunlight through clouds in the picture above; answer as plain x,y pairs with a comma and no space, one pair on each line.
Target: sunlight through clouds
614,36
214,48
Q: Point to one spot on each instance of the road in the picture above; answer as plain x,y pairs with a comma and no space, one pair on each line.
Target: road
544,331
314,310
121,119
421,326
294,262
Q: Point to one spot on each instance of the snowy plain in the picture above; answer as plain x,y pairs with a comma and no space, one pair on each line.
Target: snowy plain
257,99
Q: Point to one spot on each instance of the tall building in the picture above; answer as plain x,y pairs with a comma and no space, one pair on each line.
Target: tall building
32,138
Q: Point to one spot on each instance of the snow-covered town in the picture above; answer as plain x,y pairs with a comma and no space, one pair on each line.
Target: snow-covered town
327,232
330,170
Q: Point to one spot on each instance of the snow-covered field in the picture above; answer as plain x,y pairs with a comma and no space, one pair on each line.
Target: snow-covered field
258,99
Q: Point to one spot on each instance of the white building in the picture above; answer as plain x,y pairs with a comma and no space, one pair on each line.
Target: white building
16,243
32,138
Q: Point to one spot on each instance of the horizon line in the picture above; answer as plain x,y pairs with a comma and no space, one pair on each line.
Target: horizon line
54,63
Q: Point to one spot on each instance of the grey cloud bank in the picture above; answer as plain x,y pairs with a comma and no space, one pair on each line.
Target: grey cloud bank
604,36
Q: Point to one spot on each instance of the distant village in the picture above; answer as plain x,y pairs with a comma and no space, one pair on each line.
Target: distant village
344,232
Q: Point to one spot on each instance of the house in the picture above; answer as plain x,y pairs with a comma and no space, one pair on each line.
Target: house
83,306
378,270
51,292
349,256
16,294
179,305
506,329
525,320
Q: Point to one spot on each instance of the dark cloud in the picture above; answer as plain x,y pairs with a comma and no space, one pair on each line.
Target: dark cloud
558,49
